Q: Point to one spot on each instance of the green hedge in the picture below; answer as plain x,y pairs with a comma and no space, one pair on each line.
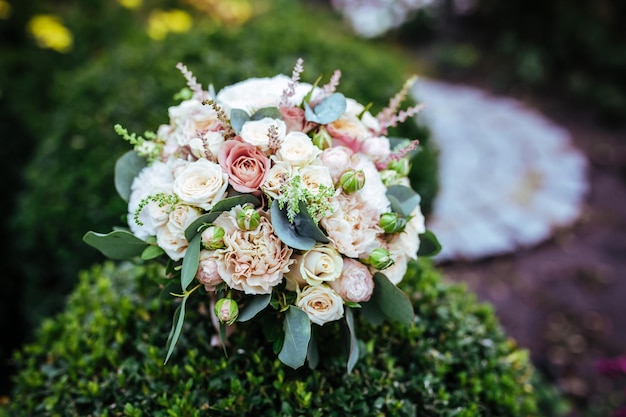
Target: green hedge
131,79
103,356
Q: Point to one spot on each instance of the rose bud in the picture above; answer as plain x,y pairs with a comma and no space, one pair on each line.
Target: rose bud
226,311
322,139
392,222
352,180
401,166
213,238
380,259
248,218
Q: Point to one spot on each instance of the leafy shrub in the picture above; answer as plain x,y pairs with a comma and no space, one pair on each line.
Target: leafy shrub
69,182
103,356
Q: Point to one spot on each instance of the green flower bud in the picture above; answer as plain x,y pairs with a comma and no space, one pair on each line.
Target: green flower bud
352,180
248,218
390,177
392,222
226,310
322,139
213,238
401,166
380,259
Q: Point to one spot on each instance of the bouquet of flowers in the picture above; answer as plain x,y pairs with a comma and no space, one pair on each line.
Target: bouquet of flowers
279,200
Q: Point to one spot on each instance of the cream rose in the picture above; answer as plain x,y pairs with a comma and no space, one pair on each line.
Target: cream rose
253,261
321,303
297,149
355,283
201,183
181,217
173,243
255,132
279,174
321,264
315,176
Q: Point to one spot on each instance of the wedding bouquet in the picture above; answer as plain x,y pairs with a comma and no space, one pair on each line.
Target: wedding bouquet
281,201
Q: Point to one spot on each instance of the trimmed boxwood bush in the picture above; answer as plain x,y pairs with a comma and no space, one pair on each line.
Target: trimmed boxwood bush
130,79
103,356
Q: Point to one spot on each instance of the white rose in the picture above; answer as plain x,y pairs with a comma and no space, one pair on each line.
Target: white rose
201,183
255,132
297,149
353,107
321,303
370,121
321,264
356,283
255,93
181,218
336,159
315,176
276,177
173,244
193,116
213,141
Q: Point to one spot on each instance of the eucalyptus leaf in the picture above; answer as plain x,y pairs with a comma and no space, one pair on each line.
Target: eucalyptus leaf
271,112
429,244
313,354
305,225
372,313
177,327
219,207
151,252
403,199
126,169
237,118
286,230
172,287
393,303
327,111
256,304
353,356
190,262
297,328
118,244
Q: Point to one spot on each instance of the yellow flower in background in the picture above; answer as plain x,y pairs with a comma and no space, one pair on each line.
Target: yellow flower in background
162,22
226,11
50,33
130,4
5,9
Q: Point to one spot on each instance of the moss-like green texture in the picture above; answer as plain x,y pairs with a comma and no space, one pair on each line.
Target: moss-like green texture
103,356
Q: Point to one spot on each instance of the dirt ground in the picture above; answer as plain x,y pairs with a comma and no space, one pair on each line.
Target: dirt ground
565,299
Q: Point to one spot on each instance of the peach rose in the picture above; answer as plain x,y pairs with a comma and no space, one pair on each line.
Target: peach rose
355,283
245,164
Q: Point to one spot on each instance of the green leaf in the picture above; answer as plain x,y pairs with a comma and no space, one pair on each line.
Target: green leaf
297,328
173,287
286,230
372,313
254,307
190,262
219,207
429,244
353,356
237,118
126,169
305,225
313,354
391,301
271,112
327,111
177,327
403,199
119,244
151,252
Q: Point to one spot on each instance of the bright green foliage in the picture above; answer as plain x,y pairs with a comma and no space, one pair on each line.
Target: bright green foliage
103,356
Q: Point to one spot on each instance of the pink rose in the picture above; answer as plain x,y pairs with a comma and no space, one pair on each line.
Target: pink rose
355,283
293,118
348,131
245,165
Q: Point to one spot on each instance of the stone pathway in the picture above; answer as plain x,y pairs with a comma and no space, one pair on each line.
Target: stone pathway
509,177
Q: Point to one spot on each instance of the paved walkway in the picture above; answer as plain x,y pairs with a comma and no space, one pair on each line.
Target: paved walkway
509,177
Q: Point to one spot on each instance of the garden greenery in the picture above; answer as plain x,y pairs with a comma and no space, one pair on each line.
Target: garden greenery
103,356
